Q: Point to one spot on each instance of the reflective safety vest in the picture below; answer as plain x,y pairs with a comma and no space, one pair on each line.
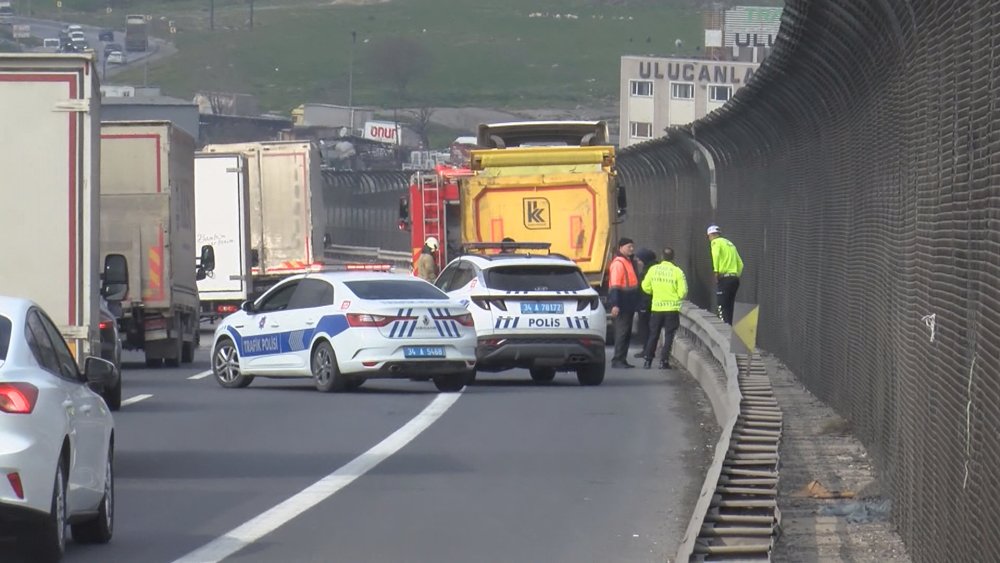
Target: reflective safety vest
668,286
725,259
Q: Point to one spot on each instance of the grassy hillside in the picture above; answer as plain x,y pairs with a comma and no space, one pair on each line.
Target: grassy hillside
467,52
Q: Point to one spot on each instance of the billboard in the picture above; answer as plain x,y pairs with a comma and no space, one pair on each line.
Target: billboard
382,131
752,26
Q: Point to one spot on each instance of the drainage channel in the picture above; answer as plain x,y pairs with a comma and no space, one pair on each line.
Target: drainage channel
743,515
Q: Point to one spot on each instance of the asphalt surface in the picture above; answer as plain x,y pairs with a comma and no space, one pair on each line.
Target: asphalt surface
510,471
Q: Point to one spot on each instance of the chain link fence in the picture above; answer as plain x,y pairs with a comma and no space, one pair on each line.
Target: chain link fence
859,175
363,208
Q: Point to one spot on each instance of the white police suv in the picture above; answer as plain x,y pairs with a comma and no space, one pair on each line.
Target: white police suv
531,311
342,328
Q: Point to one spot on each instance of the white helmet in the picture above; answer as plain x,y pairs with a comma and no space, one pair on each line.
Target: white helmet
432,243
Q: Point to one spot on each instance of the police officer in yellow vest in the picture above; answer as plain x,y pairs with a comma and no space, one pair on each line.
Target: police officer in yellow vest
668,287
728,267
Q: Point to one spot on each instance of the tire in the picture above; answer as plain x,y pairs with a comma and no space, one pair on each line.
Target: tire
354,383
154,363
542,375
113,396
451,383
326,374
590,374
226,366
187,352
101,527
47,543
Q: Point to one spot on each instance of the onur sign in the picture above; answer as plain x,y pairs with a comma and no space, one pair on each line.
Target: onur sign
382,131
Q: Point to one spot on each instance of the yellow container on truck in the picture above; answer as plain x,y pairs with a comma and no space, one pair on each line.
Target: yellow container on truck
148,216
566,195
50,157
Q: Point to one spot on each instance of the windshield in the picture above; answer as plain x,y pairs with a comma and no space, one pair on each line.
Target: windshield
5,328
536,278
383,290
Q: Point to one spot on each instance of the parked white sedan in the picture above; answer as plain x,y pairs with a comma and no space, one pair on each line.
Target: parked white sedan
342,328
56,437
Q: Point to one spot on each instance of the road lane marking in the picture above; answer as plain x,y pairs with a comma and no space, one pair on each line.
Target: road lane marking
267,522
134,400
201,375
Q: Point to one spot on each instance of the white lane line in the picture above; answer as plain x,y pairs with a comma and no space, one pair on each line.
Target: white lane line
201,375
134,400
267,522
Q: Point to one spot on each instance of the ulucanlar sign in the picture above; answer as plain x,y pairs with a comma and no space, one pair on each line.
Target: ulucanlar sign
692,72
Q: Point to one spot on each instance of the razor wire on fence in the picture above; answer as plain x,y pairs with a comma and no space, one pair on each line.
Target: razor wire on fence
362,208
858,173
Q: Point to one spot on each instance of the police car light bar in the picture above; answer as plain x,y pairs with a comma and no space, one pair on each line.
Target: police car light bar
507,246
357,267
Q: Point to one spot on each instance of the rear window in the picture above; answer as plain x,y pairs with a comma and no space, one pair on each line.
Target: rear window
536,278
394,289
5,327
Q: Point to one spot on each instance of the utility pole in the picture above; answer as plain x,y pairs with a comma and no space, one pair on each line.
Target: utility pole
350,79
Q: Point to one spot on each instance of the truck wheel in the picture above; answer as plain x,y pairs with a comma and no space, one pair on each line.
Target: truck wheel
326,373
187,352
154,362
226,366
590,374
542,375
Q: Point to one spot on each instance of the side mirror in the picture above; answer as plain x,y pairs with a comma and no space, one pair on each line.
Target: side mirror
247,306
114,279
622,202
207,258
100,373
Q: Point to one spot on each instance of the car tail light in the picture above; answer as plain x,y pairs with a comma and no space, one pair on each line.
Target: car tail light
18,398
15,483
593,301
104,325
226,308
485,303
589,341
464,319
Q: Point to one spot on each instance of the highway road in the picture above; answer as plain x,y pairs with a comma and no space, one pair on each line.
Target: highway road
50,29
504,471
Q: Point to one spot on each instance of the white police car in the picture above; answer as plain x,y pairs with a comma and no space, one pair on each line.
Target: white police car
342,328
531,311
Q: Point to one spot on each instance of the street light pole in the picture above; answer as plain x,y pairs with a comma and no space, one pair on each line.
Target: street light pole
350,79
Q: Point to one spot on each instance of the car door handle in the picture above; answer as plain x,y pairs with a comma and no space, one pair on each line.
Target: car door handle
310,322
238,326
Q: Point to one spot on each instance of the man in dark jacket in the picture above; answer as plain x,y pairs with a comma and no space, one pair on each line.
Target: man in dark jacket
623,298
646,259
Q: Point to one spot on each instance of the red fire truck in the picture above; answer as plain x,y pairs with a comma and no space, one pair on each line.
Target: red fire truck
435,211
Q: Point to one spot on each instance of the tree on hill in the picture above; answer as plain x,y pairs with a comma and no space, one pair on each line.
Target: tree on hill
400,60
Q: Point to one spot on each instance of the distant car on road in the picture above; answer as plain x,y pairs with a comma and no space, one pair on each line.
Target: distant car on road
57,459
116,58
342,328
112,47
107,35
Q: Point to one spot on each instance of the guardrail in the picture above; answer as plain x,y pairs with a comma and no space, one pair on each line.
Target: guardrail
368,255
736,513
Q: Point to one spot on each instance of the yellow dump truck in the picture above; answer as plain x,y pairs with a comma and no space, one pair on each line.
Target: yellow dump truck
545,181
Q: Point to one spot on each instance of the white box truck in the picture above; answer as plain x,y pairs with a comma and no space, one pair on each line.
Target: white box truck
50,217
287,214
222,220
148,222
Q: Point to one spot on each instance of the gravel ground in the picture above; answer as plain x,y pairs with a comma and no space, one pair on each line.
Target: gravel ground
816,445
